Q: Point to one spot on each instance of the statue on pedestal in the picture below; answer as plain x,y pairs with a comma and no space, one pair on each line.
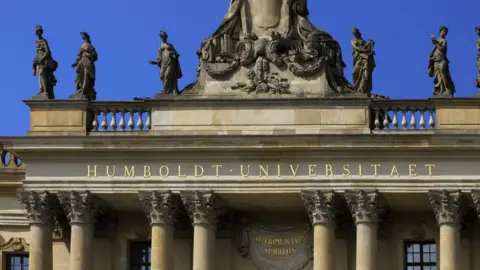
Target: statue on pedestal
169,64
44,66
363,63
438,66
297,58
85,67
477,29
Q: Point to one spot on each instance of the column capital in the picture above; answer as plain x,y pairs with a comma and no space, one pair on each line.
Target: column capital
446,205
41,207
364,205
158,207
476,200
81,207
202,207
320,206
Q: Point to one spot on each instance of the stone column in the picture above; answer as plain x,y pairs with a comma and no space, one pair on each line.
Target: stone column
203,214
160,213
446,206
321,210
40,209
365,211
82,210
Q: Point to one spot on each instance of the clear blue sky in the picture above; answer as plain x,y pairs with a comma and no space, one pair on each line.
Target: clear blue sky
125,33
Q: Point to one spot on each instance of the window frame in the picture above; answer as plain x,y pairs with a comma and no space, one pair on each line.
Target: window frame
7,254
130,252
420,264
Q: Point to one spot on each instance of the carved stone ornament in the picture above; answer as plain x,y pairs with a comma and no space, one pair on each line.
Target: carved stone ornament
446,206
44,67
41,207
86,71
81,207
15,244
476,201
363,63
280,34
477,30
320,206
202,207
439,66
158,207
364,205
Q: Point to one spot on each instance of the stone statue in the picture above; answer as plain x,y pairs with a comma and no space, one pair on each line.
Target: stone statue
438,66
477,29
278,32
44,66
363,63
85,67
169,64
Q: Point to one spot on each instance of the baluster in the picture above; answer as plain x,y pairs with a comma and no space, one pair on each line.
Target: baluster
113,123
149,120
413,122
422,119
140,121
95,121
404,119
385,118
131,125
431,122
377,118
395,119
122,120
104,121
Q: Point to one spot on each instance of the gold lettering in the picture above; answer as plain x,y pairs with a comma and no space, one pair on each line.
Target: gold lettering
245,174
164,171
346,170
108,171
311,170
217,169
328,170
294,171
180,172
360,173
129,173
197,174
429,166
411,170
147,172
94,171
376,166
394,171
263,170
279,171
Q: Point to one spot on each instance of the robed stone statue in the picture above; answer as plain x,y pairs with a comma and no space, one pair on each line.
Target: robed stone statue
85,68
363,63
439,66
44,66
477,29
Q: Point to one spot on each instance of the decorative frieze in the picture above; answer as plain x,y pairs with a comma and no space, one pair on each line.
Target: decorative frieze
41,207
202,207
320,206
446,206
81,207
364,205
158,207
15,244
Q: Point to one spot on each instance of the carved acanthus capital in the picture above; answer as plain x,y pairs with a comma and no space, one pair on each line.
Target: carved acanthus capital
158,207
81,207
202,208
41,207
446,206
320,206
364,205
476,200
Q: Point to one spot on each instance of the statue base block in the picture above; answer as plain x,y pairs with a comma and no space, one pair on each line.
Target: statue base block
42,96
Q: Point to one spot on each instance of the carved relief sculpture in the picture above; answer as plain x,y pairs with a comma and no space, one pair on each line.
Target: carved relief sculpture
438,66
477,29
85,68
278,33
168,61
363,63
44,66
15,244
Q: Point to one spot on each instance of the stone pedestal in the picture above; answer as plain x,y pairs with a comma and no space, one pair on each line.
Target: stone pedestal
203,213
447,206
160,213
321,210
365,211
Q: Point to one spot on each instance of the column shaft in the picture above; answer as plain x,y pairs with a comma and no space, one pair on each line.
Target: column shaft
81,248
203,247
449,245
40,256
324,247
366,246
162,247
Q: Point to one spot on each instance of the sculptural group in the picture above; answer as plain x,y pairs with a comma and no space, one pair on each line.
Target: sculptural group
263,48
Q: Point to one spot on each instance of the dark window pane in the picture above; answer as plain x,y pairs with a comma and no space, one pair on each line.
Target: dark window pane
140,256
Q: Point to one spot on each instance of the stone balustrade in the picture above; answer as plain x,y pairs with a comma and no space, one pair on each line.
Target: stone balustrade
411,115
119,117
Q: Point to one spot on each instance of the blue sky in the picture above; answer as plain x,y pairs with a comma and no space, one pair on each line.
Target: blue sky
125,34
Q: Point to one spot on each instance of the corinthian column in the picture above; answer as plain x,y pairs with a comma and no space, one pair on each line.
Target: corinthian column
364,208
203,215
321,210
40,209
446,206
82,210
160,213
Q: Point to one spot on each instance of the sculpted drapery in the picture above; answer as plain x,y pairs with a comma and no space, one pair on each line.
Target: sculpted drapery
439,66
44,66
85,68
169,65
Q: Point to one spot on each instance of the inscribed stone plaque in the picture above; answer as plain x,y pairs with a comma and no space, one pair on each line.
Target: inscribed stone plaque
277,247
